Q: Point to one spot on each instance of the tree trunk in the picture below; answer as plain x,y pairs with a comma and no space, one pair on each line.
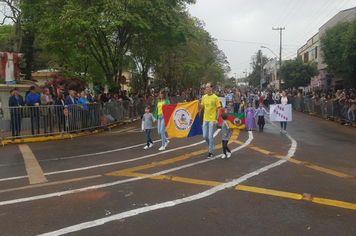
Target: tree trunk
29,56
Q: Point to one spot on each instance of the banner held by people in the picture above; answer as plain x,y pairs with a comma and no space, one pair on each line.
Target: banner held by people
235,120
182,120
280,112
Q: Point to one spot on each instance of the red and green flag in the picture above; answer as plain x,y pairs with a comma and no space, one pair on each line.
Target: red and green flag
235,120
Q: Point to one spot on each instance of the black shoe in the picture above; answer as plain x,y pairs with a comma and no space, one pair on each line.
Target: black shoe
210,155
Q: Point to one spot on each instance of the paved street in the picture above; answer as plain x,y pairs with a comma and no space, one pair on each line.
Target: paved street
302,183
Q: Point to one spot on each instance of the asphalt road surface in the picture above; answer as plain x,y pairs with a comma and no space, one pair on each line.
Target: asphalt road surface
302,183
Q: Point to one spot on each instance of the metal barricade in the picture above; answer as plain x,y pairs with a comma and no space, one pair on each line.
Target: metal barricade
342,110
33,121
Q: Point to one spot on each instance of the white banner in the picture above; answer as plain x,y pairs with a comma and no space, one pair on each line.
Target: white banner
223,101
280,112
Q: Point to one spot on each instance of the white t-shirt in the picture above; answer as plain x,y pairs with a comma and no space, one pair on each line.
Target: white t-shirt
284,100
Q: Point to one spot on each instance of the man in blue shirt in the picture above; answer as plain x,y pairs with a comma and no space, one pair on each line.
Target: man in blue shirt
83,102
33,101
15,104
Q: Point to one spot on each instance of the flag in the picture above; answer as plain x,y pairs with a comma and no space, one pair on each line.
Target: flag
232,117
182,120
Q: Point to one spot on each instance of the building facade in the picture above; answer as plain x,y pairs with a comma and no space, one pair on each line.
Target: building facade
312,51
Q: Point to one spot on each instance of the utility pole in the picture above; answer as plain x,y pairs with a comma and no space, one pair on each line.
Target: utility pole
261,69
280,29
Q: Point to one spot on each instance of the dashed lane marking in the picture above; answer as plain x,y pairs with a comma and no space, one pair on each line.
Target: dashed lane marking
34,170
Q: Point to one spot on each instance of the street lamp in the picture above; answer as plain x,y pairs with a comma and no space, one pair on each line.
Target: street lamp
270,50
280,64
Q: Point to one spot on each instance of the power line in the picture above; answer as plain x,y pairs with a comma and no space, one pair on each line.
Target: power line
295,12
323,20
313,19
267,37
258,43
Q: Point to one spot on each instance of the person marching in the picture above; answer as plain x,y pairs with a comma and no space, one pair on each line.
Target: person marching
210,103
161,128
284,100
250,121
147,120
226,135
261,111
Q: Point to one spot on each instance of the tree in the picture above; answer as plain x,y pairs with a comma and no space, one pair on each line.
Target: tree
339,51
12,12
297,73
255,77
7,34
106,28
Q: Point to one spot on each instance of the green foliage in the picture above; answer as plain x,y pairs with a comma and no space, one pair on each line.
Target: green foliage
102,38
7,34
297,73
255,77
339,51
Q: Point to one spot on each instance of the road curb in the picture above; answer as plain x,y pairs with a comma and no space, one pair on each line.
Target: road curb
57,137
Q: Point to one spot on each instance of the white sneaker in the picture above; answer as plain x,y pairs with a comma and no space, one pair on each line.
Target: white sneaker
228,154
161,149
166,144
146,147
151,145
223,156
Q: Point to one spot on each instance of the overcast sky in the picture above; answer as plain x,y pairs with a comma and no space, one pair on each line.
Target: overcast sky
249,24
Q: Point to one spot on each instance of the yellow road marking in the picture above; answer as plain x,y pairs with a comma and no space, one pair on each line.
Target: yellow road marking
331,172
169,161
322,201
161,163
34,170
334,203
49,184
270,192
314,167
174,178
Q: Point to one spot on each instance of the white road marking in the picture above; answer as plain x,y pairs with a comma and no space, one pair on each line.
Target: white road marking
233,183
57,194
99,153
34,170
114,163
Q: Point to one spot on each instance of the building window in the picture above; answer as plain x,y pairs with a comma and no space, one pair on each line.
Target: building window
316,52
306,57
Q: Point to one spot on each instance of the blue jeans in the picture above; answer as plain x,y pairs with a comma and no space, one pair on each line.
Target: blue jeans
208,134
236,107
149,140
284,123
161,128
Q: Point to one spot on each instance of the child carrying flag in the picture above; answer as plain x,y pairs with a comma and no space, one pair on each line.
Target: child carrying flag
261,111
147,120
226,134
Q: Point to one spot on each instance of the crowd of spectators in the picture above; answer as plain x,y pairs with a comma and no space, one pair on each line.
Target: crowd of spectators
79,104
